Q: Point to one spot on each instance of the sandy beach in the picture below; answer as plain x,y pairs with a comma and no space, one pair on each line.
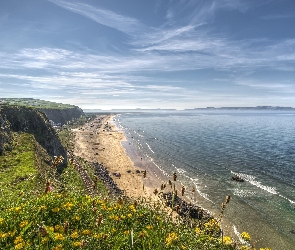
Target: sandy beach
101,141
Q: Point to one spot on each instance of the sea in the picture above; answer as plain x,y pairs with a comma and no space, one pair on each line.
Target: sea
206,148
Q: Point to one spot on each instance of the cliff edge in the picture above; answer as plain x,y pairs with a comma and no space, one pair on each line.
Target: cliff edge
33,121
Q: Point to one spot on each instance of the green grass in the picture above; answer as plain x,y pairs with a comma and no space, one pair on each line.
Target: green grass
30,102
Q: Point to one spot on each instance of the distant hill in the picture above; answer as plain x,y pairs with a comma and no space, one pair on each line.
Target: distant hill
59,113
34,103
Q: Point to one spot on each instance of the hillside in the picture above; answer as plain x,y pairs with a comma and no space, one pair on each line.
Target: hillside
59,113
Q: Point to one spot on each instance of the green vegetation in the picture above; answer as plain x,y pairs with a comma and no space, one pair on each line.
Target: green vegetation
40,209
30,102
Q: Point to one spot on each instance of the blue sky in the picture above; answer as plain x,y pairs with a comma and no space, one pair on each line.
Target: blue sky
110,54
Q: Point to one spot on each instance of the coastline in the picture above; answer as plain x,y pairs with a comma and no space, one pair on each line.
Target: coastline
103,142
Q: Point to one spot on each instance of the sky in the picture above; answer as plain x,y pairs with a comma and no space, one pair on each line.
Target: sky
178,54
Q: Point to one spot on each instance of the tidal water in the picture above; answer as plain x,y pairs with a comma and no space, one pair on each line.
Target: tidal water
207,148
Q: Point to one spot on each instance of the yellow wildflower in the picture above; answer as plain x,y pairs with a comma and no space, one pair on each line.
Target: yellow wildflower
245,236
244,248
75,235
77,218
42,207
45,240
114,217
183,247
4,235
55,210
132,208
86,232
197,230
77,244
117,206
23,223
1,220
149,227
126,232
18,239
129,215
123,216
171,239
226,240
59,228
142,234
58,236
212,226
17,209
58,247
97,236
11,234
20,245
68,206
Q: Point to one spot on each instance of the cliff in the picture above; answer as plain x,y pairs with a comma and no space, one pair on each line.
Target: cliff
57,112
33,121
5,134
63,115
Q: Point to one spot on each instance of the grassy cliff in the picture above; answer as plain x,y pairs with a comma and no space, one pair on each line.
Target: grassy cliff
59,113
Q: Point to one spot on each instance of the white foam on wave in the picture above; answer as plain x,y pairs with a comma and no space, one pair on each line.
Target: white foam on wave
135,132
158,166
243,193
150,148
180,170
291,201
251,180
205,196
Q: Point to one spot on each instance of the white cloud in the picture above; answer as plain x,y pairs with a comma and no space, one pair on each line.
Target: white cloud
105,17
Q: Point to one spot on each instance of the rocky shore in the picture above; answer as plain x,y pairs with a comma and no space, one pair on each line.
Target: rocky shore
105,176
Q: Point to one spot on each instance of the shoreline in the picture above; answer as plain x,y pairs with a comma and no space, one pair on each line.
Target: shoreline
102,141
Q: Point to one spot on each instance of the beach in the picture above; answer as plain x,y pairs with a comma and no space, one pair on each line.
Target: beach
101,141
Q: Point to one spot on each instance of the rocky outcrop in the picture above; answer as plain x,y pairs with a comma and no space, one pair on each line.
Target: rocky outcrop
5,134
63,115
33,121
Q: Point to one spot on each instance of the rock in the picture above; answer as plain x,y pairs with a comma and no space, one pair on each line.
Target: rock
35,122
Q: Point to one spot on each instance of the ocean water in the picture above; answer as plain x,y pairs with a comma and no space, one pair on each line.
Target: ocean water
207,148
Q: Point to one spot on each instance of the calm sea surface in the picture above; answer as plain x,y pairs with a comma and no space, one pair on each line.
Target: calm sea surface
207,148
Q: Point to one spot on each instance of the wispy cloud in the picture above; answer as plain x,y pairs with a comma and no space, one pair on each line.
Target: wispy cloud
270,86
276,17
108,18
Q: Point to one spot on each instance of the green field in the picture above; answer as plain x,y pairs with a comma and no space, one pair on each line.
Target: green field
30,102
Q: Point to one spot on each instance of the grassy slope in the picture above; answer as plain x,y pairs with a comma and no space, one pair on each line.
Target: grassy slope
30,102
